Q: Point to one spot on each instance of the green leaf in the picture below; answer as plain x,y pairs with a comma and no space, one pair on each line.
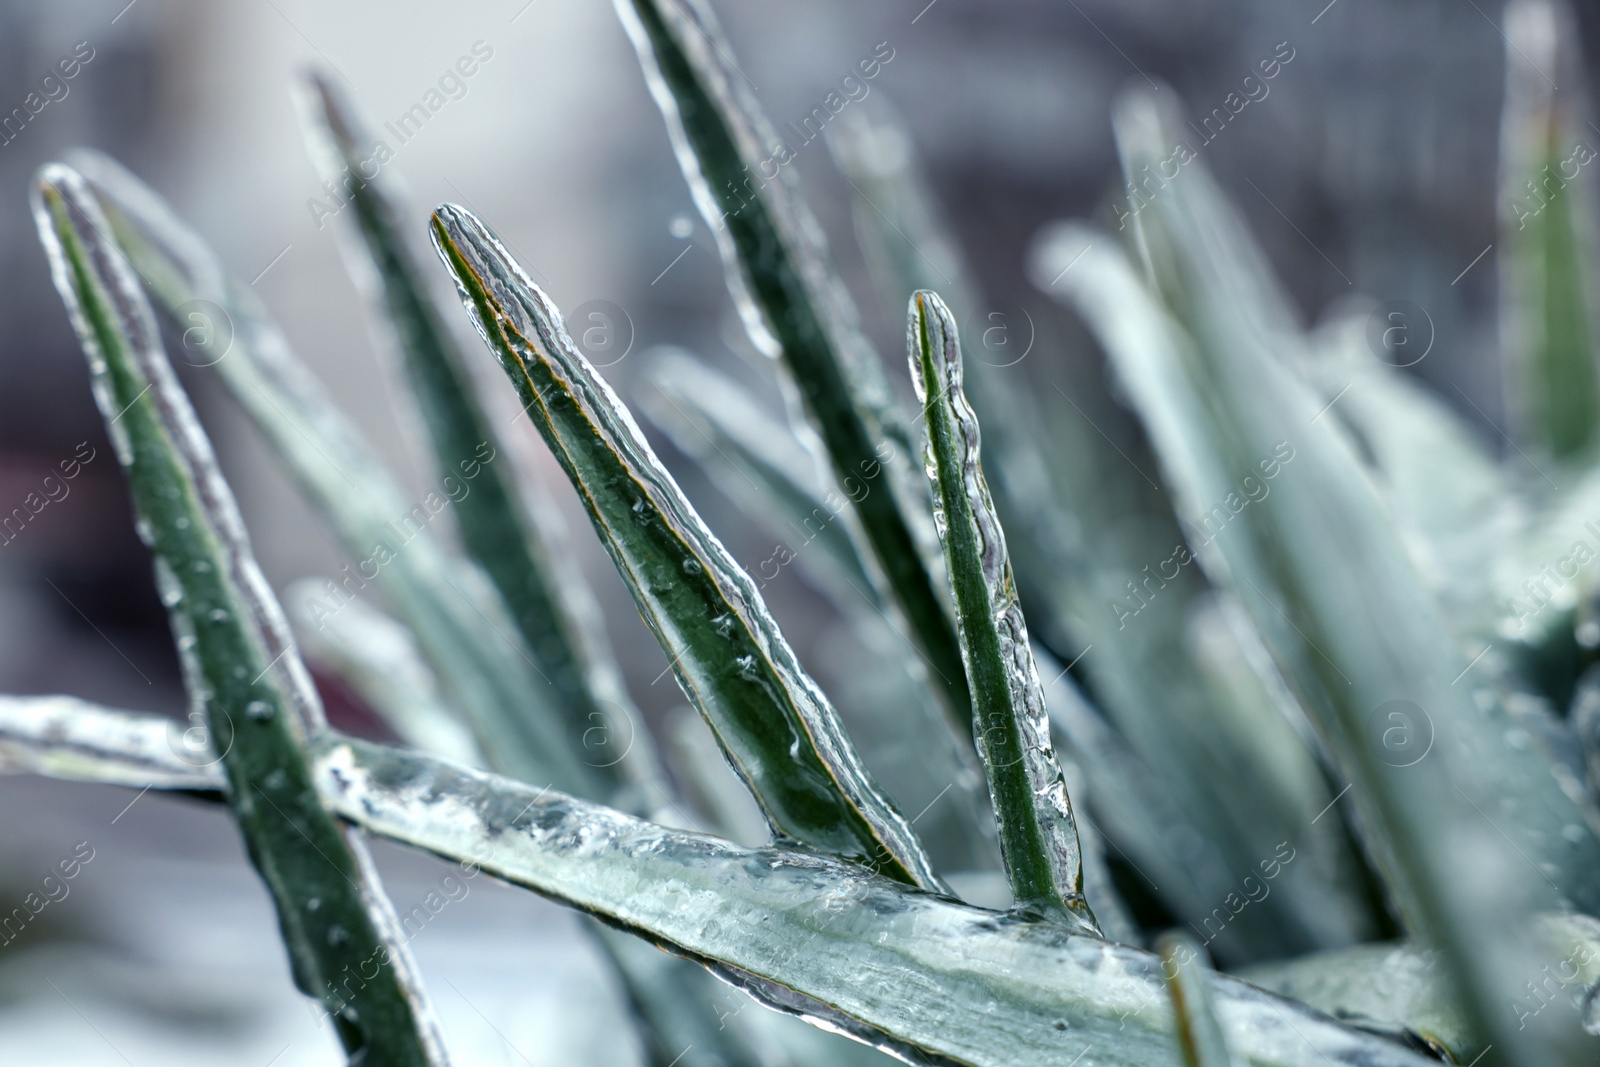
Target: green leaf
243,674
1337,602
1404,990
775,724
500,530
447,603
1099,559
915,751
1038,837
794,307
931,979
1185,968
1546,232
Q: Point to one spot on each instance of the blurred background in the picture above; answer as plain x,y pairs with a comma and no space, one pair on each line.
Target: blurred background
1368,167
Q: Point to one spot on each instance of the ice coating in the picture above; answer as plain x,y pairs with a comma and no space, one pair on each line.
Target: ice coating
777,727
203,545
447,602
915,974
1038,835
63,737
795,307
920,976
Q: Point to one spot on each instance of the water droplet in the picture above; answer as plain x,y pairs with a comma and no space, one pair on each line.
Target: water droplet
691,567
259,710
239,671
172,597
276,780
219,615
186,642
338,935
314,903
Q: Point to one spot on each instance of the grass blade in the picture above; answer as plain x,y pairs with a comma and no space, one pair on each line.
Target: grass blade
1038,837
499,529
920,975
949,983
776,726
1185,969
446,601
1546,226
1336,601
794,308
258,706
1099,560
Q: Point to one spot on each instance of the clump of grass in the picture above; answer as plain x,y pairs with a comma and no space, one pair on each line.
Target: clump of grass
1328,733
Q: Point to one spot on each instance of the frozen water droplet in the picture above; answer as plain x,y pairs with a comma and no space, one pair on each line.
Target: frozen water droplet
181,522
747,667
723,624
276,780
200,566
314,903
172,597
681,226
239,671
691,566
219,615
259,710
338,935
186,642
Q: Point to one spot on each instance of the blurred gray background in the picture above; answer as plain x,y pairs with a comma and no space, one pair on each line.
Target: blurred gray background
1368,168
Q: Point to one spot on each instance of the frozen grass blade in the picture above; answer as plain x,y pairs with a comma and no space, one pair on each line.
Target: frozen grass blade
1547,220
794,306
499,529
1185,970
931,980
774,723
1339,605
448,604
911,746
244,676
919,975
1099,558
1038,836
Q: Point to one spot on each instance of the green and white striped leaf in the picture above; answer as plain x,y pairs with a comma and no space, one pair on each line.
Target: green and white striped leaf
245,679
1038,836
774,723
1547,220
795,308
500,529
446,602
